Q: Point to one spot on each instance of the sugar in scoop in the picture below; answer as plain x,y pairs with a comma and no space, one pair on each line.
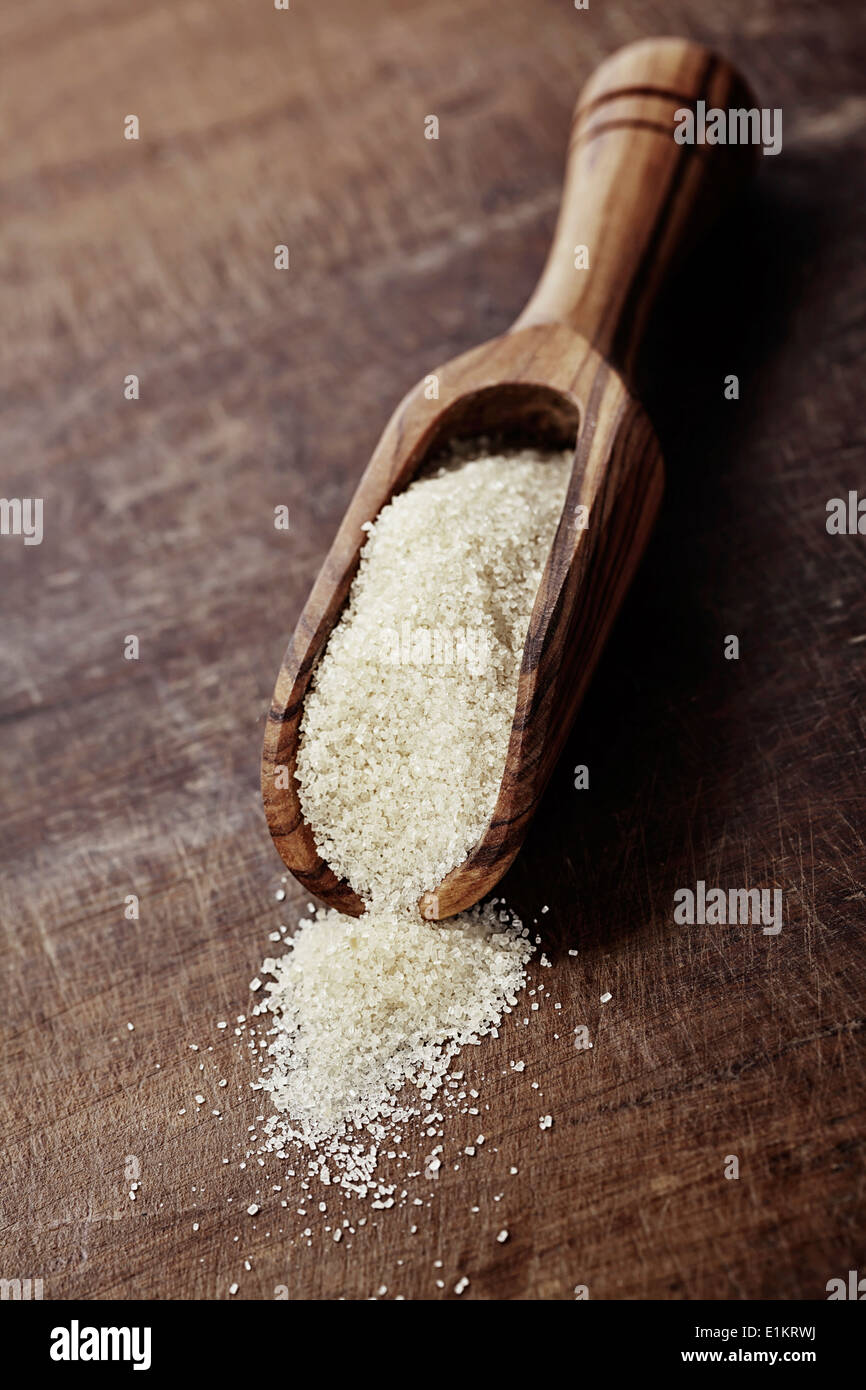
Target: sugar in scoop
406,722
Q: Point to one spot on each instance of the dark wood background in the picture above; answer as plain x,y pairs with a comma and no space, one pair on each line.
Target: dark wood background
260,388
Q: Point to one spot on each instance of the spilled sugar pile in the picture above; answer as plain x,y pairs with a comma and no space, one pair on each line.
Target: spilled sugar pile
368,1014
403,744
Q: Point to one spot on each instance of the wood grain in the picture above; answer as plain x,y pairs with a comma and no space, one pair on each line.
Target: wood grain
261,389
634,197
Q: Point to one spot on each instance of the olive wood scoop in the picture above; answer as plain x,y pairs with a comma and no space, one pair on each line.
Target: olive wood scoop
633,197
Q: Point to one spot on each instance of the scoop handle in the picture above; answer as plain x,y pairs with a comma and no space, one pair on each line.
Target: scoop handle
634,196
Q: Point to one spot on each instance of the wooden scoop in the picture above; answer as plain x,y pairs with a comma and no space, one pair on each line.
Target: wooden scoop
633,198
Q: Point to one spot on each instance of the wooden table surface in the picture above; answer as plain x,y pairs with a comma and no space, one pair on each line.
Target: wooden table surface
260,388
